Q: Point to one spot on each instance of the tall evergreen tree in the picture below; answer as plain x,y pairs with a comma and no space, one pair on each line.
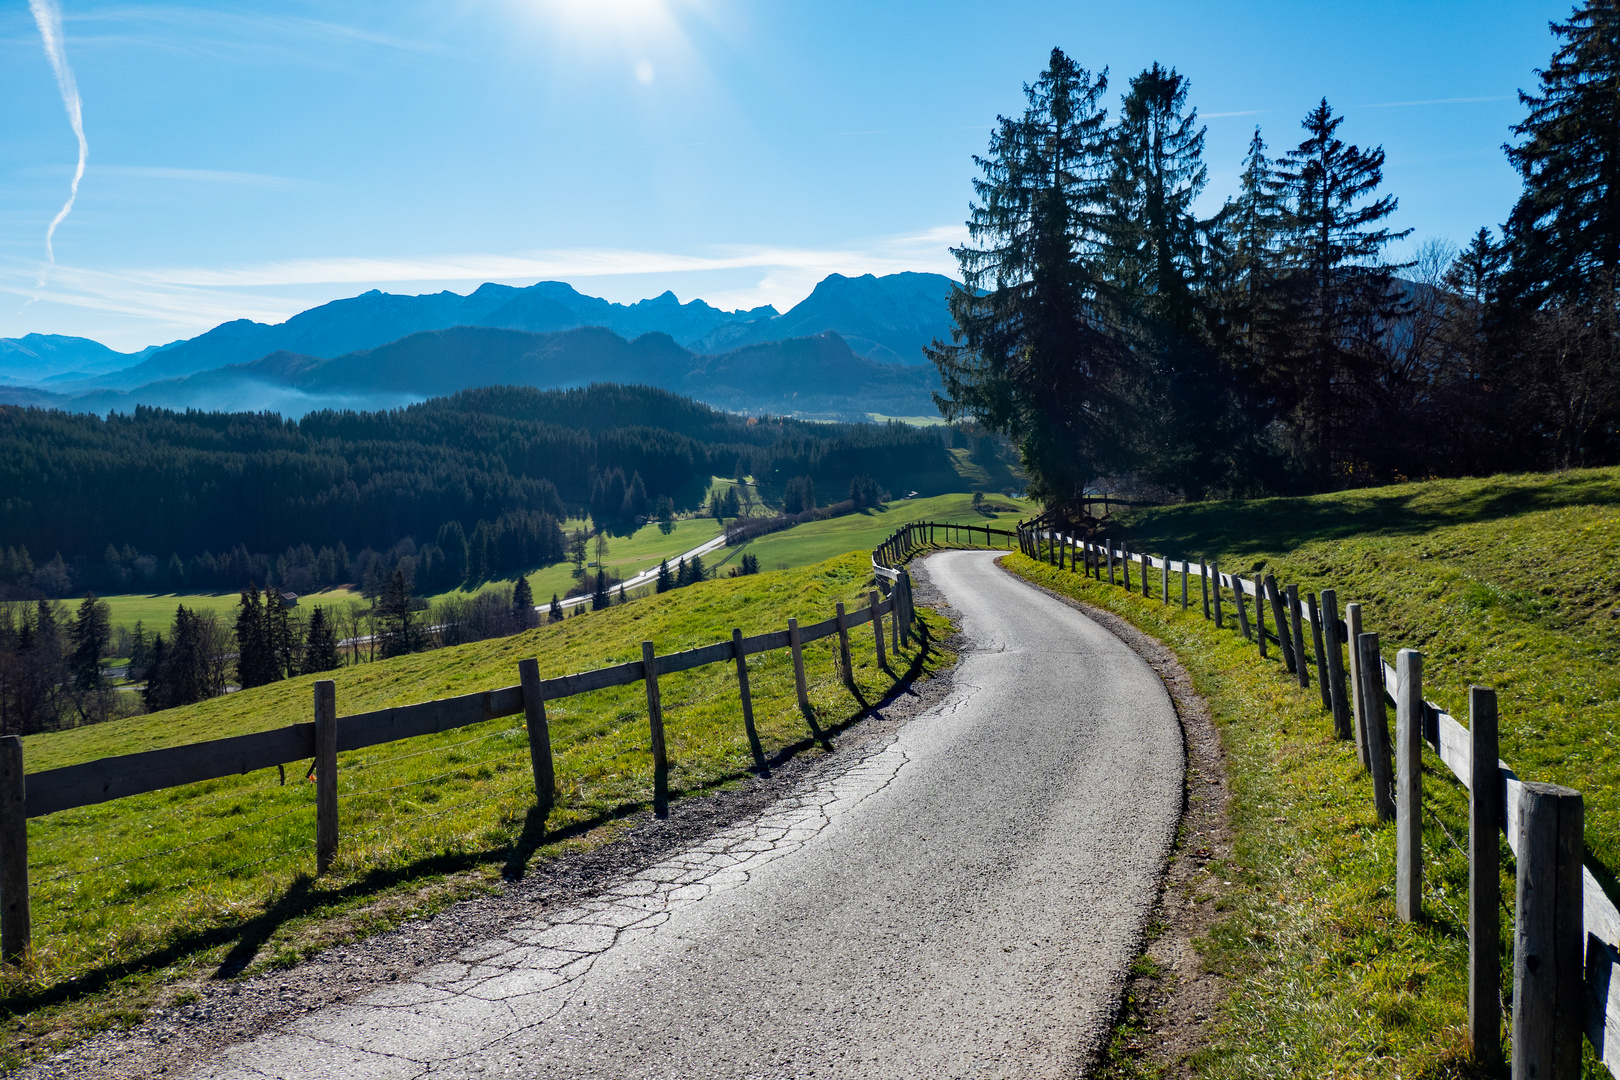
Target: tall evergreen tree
279,633
320,644
91,633
255,660
556,613
600,596
666,580
401,634
1031,356
1342,292
523,613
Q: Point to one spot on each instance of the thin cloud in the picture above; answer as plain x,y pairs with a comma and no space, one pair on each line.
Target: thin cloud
206,176
1435,101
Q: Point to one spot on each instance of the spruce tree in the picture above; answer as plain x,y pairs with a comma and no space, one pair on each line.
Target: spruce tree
696,571
1344,294
1033,357
140,651
400,632
320,645
255,661
666,580
1564,232
523,612
279,633
155,695
92,631
556,613
683,574
600,597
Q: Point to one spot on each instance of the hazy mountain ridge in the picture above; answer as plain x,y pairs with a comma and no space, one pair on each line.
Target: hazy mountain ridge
816,376
886,318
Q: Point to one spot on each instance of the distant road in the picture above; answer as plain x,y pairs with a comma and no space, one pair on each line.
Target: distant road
960,902
646,577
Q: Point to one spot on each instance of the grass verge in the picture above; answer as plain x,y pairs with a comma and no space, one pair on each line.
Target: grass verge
214,878
1325,981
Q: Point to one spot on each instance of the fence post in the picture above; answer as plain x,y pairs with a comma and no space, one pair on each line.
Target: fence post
894,616
655,727
748,699
1243,614
1408,785
1108,547
1377,724
1183,584
1320,649
1215,583
1164,582
16,920
843,647
1358,715
534,718
1259,609
1284,645
873,600
1203,585
1146,563
1485,817
908,614
1343,726
1125,568
1301,668
326,797
1548,939
798,667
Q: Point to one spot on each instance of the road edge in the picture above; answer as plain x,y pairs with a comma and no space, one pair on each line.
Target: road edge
1170,1001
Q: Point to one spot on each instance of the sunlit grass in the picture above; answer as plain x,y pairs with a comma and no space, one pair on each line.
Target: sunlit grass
188,876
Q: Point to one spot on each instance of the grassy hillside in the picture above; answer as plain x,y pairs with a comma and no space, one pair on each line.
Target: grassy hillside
819,540
1509,581
216,874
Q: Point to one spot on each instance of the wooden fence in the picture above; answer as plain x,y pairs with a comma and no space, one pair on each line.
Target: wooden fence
1566,965
24,796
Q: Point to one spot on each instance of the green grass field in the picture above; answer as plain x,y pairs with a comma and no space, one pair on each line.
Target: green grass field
627,555
215,877
817,540
155,611
1511,582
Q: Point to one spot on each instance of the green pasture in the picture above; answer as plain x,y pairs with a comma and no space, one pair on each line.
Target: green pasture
215,878
155,611
862,531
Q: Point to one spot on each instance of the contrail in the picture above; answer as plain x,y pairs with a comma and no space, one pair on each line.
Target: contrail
48,14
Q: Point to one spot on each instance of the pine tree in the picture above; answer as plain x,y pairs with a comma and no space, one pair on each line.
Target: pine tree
155,695
666,580
400,633
695,570
279,634
320,645
1344,294
600,596
140,652
255,660
92,631
1033,358
683,574
523,613
1564,232
556,613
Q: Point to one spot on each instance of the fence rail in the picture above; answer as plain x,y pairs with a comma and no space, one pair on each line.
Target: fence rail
1567,929
30,795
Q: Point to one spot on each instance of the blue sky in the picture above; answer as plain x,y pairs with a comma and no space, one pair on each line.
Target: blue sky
251,160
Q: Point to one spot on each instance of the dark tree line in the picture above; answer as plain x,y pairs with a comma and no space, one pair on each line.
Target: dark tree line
1116,335
454,489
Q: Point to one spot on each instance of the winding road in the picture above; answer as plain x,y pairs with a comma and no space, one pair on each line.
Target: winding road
961,901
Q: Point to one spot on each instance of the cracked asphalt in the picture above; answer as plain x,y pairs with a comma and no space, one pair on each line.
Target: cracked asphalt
962,902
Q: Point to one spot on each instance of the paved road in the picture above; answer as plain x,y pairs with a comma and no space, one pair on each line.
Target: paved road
645,577
960,903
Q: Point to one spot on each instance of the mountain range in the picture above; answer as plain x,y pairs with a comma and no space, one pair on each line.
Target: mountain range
854,345
818,376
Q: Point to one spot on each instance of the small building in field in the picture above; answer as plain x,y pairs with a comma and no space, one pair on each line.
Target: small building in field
289,599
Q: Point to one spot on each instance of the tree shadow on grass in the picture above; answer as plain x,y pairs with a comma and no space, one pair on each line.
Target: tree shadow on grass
1276,525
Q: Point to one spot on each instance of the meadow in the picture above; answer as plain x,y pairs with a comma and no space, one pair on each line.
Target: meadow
817,540
216,878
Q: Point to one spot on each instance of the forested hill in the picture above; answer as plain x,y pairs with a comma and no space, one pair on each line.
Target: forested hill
185,484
